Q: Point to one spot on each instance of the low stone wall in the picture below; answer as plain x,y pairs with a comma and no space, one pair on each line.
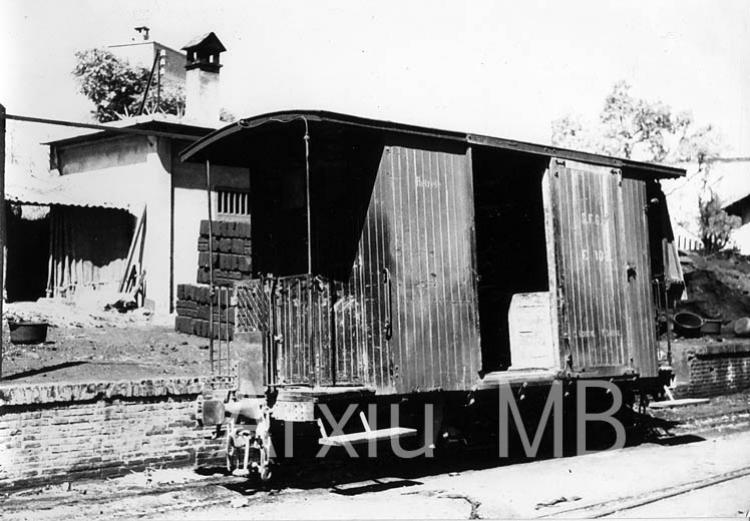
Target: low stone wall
711,369
68,431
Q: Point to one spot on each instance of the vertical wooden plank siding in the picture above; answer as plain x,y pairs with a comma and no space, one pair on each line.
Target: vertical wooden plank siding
643,336
418,230
363,354
301,329
87,251
437,271
600,232
554,256
592,306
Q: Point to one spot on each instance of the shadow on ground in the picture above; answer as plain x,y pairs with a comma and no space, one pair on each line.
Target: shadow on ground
41,370
349,476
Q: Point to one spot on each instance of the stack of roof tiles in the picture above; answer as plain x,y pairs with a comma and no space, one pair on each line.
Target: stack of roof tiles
230,258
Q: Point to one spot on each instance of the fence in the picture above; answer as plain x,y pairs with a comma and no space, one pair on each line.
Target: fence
688,243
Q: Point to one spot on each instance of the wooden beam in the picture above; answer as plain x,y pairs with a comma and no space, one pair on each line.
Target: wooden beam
131,250
2,230
105,128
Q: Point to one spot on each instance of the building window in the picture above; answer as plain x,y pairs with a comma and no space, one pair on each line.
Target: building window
233,202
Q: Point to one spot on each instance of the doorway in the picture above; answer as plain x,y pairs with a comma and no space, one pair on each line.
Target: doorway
27,244
511,247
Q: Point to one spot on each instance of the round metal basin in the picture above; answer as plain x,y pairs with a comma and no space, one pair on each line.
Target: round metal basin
687,323
28,332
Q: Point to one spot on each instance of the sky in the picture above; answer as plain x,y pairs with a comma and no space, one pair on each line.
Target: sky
503,68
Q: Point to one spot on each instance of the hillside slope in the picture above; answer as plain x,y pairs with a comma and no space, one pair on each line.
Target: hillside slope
718,285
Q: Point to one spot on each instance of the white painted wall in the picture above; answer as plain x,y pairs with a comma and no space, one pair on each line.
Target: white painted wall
191,207
741,239
134,172
157,249
128,170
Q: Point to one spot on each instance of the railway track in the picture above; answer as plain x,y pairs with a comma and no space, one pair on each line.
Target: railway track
610,507
594,510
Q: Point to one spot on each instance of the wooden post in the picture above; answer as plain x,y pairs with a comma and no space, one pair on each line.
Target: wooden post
665,261
2,230
131,250
307,197
210,270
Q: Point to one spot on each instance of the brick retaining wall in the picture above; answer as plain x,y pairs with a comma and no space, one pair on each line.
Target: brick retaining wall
67,431
711,369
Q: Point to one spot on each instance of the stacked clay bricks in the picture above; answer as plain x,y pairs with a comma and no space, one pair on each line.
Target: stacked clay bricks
231,262
195,306
230,256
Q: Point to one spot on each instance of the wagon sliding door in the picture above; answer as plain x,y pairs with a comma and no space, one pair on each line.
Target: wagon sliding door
406,320
436,333
600,248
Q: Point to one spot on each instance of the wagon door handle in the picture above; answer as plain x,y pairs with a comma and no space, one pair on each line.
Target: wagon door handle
388,326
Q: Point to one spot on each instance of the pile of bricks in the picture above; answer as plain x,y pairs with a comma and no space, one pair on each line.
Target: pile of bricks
231,261
230,256
195,306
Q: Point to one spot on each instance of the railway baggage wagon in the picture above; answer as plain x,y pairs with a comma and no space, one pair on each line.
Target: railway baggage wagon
402,264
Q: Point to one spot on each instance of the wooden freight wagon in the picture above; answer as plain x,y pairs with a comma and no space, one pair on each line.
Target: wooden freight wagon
400,261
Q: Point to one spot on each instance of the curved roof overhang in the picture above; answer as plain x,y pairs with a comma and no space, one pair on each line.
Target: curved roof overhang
221,147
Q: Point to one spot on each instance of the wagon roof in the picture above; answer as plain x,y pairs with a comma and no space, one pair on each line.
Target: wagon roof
208,147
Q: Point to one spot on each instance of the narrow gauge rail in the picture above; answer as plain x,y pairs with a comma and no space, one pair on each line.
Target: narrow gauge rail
622,504
397,264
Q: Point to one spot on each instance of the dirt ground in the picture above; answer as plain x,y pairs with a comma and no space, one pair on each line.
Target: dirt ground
108,345
719,415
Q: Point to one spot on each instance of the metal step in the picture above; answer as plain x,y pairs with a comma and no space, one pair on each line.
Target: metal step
671,402
365,436
680,402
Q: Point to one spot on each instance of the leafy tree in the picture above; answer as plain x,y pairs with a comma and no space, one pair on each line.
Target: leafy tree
116,87
639,129
226,116
716,225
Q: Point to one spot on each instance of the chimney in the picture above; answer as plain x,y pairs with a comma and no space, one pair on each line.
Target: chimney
202,103
143,31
